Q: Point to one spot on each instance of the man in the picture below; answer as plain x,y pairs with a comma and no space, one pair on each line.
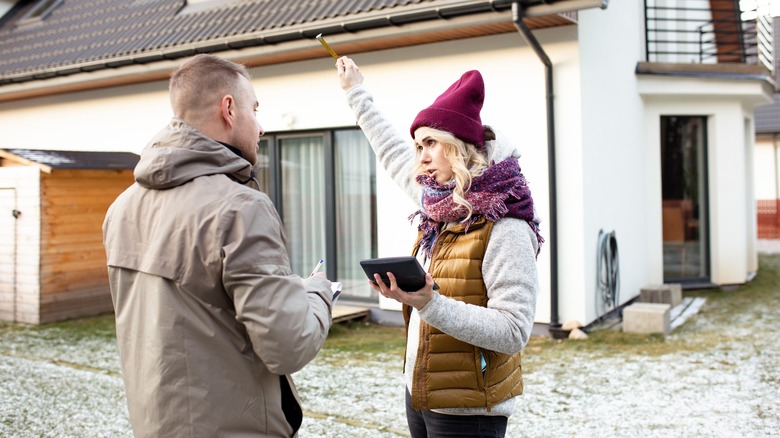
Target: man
210,319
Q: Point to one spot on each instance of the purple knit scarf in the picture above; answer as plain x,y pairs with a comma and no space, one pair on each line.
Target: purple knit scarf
500,191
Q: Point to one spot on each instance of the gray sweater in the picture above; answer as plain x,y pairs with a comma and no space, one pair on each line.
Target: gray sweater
508,269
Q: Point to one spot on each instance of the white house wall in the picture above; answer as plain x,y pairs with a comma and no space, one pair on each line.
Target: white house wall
306,95
733,257
621,169
404,81
611,195
116,119
728,189
750,209
607,137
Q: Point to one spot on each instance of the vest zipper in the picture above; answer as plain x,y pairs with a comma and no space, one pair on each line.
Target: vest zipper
422,360
424,341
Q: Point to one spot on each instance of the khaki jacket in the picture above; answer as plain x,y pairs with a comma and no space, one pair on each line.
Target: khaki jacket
448,372
210,319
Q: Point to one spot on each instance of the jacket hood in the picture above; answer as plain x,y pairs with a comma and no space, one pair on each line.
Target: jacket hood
501,148
180,153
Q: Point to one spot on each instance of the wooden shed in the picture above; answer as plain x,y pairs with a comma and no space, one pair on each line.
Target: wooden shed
52,206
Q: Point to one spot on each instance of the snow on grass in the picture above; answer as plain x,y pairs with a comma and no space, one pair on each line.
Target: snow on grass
714,376
727,391
714,393
39,398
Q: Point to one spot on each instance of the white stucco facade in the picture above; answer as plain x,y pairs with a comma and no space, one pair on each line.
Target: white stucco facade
732,227
613,164
306,95
606,127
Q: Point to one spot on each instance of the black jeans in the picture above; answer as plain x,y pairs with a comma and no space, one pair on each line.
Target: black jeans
429,424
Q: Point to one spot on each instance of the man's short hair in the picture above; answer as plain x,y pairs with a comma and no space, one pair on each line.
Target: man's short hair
202,78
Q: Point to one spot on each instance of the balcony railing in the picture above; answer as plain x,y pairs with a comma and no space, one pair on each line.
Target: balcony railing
708,32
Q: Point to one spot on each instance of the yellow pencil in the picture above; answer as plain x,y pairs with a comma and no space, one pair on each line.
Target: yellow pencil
327,47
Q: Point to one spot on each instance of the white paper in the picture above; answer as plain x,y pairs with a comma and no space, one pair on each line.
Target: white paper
335,287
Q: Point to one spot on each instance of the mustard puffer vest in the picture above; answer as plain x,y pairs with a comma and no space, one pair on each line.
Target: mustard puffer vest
448,372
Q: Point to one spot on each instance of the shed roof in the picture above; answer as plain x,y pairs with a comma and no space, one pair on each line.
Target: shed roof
74,36
81,160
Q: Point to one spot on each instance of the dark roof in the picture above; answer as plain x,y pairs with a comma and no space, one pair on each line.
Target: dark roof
767,117
81,160
75,36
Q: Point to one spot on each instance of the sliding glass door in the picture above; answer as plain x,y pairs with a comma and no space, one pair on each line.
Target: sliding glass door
355,210
323,185
684,189
303,200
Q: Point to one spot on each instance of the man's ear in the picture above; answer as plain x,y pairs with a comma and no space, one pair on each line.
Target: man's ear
227,108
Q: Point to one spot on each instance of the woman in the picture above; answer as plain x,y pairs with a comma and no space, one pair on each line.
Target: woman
479,238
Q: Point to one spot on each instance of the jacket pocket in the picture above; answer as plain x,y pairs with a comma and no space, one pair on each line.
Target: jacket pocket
480,364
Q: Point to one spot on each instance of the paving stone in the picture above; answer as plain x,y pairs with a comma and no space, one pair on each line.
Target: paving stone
647,318
661,293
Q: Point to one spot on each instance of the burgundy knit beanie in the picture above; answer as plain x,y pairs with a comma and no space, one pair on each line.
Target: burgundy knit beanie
457,110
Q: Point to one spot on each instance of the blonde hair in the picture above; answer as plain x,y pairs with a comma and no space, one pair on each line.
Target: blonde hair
467,161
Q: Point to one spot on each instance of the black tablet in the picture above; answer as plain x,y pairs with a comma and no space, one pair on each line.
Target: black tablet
408,273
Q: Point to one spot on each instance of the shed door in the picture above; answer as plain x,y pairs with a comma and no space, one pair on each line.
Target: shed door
7,254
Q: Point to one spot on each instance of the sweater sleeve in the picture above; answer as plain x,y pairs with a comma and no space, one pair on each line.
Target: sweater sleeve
510,276
395,152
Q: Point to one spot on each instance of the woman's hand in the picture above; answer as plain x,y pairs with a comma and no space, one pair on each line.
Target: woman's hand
349,73
417,299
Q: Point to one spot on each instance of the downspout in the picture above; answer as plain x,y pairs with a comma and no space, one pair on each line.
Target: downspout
517,18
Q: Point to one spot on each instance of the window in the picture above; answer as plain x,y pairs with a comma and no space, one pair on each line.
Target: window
324,187
39,12
194,6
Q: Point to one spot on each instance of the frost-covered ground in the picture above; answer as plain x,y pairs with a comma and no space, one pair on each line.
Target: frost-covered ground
57,390
53,384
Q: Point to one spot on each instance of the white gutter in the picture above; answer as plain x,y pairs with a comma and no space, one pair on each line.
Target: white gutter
558,7
290,43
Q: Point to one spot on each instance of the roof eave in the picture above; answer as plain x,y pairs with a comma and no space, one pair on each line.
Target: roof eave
5,155
371,31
